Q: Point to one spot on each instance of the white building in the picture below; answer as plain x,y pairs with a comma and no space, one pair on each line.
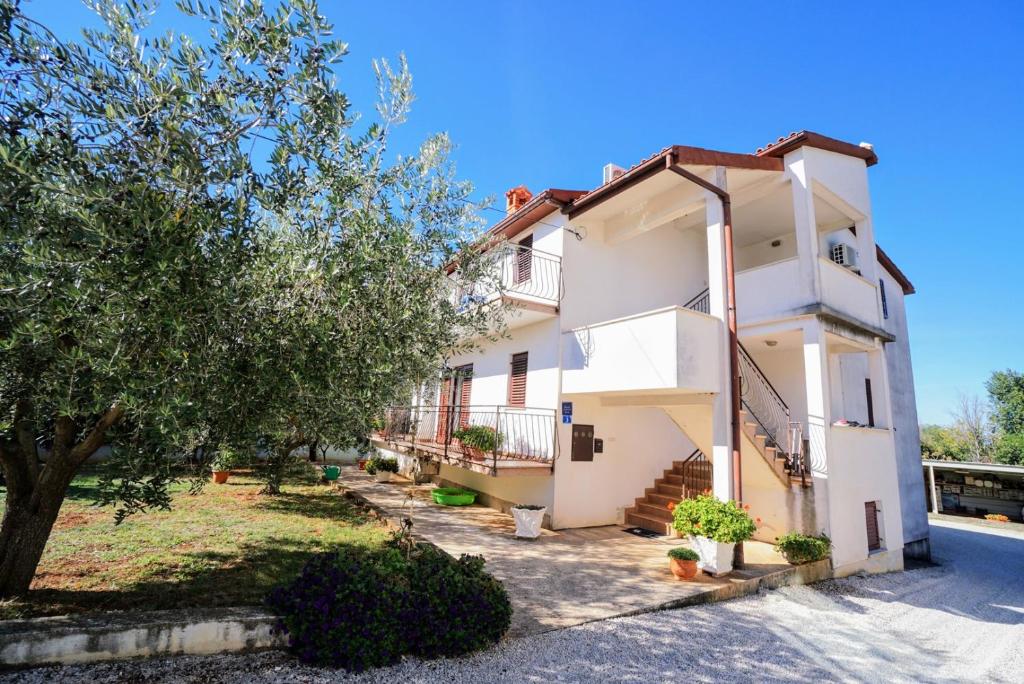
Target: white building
611,396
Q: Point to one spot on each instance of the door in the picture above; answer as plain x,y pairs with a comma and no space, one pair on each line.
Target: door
453,407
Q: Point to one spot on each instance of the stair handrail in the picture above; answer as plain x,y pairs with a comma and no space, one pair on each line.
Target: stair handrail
770,412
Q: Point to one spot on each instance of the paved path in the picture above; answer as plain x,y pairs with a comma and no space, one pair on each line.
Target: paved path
962,621
564,578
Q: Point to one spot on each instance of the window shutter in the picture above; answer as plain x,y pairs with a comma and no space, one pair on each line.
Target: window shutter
444,410
871,520
885,303
517,380
524,260
466,372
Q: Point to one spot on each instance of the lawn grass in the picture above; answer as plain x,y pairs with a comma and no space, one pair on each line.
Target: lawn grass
225,546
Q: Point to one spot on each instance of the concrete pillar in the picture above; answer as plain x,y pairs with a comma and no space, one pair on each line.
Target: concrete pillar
721,416
931,488
805,224
819,413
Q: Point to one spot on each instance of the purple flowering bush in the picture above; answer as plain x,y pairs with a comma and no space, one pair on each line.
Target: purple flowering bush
359,608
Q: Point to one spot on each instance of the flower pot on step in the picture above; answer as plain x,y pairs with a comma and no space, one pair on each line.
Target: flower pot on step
528,521
715,557
220,476
683,569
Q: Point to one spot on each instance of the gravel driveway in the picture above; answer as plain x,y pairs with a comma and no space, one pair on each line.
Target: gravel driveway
961,621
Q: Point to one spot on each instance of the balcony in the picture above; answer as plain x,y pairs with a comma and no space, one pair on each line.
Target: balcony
514,441
526,280
670,350
776,290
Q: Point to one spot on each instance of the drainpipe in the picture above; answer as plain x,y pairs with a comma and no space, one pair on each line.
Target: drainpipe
734,351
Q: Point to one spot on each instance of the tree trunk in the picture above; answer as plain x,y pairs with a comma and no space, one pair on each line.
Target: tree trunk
26,527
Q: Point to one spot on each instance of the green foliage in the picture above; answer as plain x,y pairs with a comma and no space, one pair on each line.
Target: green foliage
943,443
358,609
479,437
801,548
683,553
380,464
1006,394
706,516
1010,449
228,458
201,240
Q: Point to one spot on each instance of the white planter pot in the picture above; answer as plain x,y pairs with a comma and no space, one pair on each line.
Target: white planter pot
383,476
715,557
528,522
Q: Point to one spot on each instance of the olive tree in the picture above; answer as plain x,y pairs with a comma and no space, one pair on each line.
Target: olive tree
203,244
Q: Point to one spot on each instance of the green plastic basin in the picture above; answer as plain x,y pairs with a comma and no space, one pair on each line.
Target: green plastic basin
453,496
331,473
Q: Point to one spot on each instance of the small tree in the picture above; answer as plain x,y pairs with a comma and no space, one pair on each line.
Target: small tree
202,245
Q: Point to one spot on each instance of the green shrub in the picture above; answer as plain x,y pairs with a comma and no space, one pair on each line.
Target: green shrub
801,548
706,516
227,458
478,437
380,464
357,608
682,553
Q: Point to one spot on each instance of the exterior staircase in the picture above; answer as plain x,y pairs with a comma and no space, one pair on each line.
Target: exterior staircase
684,480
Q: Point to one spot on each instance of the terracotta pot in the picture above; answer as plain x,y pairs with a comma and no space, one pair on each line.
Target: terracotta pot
476,454
220,476
683,569
362,463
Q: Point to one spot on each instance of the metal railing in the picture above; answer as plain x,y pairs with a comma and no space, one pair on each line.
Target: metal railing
518,273
771,414
697,474
701,303
494,436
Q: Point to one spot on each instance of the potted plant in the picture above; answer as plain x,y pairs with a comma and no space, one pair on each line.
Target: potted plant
528,520
683,562
382,468
478,440
714,527
225,459
802,548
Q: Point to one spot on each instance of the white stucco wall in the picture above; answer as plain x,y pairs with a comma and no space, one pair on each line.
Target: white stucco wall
663,267
639,445
862,468
904,415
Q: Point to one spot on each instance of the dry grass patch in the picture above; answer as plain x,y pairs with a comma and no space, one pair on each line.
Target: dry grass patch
225,546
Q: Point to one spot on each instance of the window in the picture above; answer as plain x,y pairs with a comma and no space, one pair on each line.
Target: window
517,380
524,260
871,521
885,303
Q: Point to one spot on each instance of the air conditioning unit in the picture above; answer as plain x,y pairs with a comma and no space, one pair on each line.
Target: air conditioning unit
610,172
844,255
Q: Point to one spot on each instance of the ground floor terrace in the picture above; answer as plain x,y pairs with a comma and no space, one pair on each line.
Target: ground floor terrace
574,576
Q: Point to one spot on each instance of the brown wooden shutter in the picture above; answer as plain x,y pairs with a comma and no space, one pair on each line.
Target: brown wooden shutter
524,260
466,372
444,409
517,380
871,520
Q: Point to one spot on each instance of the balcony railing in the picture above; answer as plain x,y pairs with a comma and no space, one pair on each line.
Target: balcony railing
491,436
518,273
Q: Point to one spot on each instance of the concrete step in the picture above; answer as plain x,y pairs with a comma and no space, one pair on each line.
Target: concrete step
671,489
653,510
635,519
659,499
672,477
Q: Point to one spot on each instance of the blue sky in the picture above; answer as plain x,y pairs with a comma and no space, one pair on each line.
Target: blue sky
546,93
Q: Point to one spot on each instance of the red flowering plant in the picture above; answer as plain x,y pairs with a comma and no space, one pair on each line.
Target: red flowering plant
706,516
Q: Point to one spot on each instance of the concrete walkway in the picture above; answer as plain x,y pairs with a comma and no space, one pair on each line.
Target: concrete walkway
568,577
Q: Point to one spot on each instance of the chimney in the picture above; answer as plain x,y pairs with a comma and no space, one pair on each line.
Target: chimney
611,172
516,198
